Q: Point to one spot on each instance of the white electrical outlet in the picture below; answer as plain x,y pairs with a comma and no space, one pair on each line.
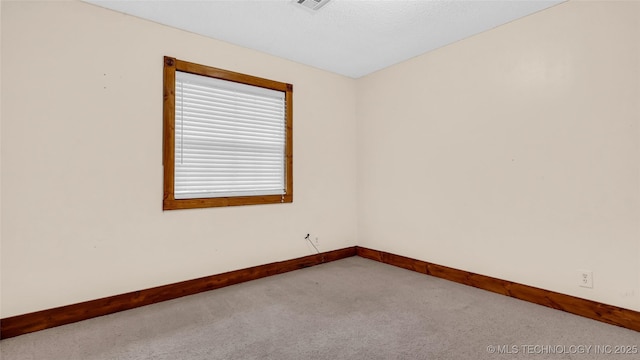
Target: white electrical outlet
316,241
585,278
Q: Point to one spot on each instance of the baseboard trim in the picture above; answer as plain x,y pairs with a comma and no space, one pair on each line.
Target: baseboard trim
587,308
40,320
45,319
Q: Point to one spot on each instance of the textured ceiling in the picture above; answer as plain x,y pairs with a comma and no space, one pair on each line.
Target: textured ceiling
348,37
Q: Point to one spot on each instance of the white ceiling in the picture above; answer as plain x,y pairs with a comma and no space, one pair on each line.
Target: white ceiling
348,37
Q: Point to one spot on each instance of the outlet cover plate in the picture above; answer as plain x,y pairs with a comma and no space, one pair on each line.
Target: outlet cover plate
585,278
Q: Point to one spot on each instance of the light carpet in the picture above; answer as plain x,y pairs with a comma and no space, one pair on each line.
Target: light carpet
348,309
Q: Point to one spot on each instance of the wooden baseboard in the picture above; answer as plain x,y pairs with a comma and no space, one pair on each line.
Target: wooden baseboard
605,313
40,320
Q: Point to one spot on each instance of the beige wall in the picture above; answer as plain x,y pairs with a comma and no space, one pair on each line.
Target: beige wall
1,169
514,153
82,161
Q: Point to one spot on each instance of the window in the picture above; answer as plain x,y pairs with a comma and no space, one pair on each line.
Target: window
227,138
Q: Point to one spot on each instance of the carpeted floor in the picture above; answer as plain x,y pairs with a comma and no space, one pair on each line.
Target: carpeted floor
349,309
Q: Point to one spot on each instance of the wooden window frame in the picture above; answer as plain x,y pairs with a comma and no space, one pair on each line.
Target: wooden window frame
171,65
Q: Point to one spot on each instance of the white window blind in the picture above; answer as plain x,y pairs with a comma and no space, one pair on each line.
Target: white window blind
229,138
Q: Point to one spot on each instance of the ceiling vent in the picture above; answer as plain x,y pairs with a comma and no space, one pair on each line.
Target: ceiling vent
313,5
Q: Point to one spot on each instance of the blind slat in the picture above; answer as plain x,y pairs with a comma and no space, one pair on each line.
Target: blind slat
230,138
